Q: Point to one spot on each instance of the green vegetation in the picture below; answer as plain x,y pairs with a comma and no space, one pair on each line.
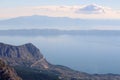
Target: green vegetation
33,74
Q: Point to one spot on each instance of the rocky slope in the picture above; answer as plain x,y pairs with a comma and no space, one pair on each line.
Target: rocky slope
23,55
28,55
7,73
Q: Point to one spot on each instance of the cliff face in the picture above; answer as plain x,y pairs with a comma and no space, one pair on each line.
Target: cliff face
26,51
7,73
24,55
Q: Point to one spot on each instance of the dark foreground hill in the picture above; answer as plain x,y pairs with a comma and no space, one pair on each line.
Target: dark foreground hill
30,64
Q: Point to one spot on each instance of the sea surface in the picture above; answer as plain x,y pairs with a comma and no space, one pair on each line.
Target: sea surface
92,54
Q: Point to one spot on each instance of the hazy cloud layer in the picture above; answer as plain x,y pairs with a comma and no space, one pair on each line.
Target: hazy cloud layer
78,11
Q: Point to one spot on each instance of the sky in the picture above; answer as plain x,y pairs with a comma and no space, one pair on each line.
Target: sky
105,9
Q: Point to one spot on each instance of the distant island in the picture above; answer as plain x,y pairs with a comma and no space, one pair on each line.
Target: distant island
57,32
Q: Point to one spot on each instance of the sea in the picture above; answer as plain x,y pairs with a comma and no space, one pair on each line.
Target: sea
91,54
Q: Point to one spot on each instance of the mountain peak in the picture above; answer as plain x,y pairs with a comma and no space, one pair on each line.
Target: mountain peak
26,54
29,44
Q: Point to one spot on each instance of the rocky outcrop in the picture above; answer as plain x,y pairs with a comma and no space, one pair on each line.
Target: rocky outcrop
23,55
7,73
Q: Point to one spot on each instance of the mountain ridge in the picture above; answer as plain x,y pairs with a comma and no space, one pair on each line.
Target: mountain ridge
20,55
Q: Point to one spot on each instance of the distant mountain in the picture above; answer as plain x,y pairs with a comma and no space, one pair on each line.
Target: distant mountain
7,73
56,22
28,61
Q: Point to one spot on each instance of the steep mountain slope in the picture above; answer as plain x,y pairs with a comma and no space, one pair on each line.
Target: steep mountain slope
24,55
7,73
28,58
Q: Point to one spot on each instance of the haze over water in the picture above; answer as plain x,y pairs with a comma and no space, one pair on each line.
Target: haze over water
92,54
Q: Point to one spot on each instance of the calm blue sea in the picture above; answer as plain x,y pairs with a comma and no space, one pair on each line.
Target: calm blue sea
92,54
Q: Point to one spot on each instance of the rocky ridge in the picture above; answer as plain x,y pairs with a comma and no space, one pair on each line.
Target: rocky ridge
23,55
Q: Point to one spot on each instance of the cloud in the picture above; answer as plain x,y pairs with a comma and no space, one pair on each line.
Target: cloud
77,11
91,9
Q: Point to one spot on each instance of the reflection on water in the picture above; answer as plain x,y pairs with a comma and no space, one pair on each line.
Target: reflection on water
93,54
